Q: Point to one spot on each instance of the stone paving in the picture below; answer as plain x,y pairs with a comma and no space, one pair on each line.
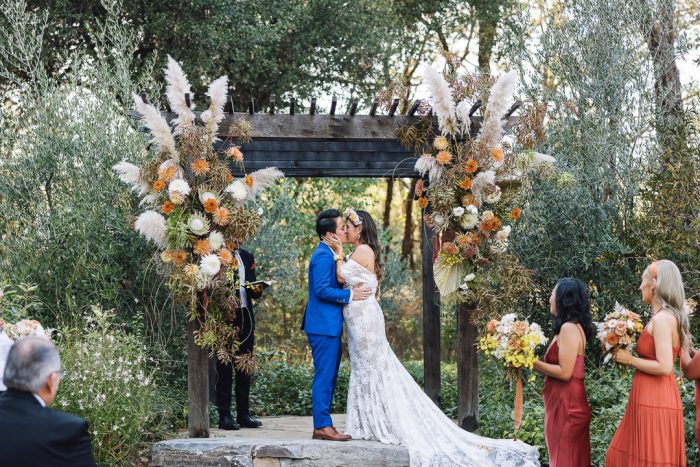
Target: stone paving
280,442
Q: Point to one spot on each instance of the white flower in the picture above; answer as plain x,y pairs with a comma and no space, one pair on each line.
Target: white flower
238,190
438,219
210,265
486,215
206,195
458,211
470,219
469,277
502,235
198,224
216,240
260,211
179,186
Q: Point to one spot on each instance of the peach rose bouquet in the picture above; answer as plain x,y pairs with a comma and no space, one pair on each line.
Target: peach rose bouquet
619,330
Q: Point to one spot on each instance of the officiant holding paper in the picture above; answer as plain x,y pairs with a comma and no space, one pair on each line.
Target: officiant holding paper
245,322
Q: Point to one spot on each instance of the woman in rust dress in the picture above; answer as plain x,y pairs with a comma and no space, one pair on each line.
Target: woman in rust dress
651,432
567,415
691,370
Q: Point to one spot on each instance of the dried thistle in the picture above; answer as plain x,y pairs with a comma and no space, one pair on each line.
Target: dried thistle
243,224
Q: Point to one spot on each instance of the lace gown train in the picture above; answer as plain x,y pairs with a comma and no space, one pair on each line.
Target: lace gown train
387,405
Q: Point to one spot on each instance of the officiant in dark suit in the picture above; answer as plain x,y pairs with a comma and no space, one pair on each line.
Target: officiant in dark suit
245,322
31,434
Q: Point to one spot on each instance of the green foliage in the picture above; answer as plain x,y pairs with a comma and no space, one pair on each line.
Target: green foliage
18,302
110,381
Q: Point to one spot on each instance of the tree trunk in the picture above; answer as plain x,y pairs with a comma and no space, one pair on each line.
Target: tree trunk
661,37
197,385
386,220
487,37
431,320
467,368
407,244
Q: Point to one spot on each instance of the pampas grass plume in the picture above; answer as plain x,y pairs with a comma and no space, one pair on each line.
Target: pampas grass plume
155,122
152,226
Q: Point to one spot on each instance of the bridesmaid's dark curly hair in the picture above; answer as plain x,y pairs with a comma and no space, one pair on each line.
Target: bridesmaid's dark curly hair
573,305
369,236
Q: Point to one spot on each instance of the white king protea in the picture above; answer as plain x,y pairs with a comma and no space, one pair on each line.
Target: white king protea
210,265
198,224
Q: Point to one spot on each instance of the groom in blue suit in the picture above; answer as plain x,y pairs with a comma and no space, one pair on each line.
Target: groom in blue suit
323,322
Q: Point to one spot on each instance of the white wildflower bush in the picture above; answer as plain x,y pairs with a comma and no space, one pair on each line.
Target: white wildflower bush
109,380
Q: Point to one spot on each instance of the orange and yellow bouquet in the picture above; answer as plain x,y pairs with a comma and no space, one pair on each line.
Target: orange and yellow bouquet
619,330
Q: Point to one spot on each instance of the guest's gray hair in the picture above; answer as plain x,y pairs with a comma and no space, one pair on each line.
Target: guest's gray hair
30,362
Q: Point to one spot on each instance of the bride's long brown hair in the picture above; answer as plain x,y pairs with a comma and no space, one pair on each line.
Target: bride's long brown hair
369,236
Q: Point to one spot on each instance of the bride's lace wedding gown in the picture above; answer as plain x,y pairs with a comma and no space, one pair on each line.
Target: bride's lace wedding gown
387,405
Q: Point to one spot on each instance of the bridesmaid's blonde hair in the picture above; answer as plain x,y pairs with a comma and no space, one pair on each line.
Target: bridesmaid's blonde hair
670,292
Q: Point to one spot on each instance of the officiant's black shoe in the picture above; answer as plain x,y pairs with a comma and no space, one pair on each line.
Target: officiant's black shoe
249,422
226,422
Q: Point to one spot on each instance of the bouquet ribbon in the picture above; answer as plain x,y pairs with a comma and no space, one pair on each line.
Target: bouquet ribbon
518,405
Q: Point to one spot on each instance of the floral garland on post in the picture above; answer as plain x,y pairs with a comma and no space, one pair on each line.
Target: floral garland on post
197,211
462,169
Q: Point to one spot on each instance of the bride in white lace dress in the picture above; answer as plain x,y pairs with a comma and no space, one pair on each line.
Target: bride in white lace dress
384,402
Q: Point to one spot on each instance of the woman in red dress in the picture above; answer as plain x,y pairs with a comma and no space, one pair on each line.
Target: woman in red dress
567,415
651,433
691,370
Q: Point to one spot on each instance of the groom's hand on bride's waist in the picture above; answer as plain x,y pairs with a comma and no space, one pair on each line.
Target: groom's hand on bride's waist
360,292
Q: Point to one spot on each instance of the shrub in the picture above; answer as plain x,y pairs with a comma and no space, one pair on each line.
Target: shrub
109,381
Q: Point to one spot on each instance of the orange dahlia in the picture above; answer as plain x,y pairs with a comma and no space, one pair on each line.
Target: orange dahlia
225,256
465,183
249,181
167,207
179,257
422,202
202,247
490,225
443,157
158,186
449,248
210,205
497,154
471,166
515,214
222,216
462,240
200,166
234,153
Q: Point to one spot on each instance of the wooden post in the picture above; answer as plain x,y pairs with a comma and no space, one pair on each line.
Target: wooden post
197,385
467,368
431,319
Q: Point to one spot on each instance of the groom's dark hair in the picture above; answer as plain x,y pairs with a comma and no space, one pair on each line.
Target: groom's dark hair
325,222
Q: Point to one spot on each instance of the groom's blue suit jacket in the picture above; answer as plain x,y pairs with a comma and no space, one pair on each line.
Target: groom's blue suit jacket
324,310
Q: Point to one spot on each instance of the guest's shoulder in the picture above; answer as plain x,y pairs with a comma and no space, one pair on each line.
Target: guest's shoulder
65,419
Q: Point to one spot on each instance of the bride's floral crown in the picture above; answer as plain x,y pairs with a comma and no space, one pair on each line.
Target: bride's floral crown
351,215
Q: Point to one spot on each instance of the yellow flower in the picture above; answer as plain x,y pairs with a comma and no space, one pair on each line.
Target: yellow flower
441,143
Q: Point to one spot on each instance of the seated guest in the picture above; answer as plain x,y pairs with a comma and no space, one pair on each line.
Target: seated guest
31,434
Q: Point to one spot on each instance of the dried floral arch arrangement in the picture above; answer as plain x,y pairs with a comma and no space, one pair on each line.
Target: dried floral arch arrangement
462,170
197,212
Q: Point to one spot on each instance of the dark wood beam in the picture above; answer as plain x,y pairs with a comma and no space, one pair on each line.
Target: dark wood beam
373,110
292,103
334,103
251,106
144,97
353,107
431,317
188,102
272,104
312,110
475,107
394,106
166,104
414,108
228,107
516,105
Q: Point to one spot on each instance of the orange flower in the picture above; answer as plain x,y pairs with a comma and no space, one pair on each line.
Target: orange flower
167,207
443,157
179,257
419,187
234,263
515,214
202,247
612,338
249,181
200,166
229,177
210,205
168,173
462,240
225,256
490,225
492,325
471,166
520,327
470,199
222,216
497,154
158,186
449,248
422,202
465,183
234,153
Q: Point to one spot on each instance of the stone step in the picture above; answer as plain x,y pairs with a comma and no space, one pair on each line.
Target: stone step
281,442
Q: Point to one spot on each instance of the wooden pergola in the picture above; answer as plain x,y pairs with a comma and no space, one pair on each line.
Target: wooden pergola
342,145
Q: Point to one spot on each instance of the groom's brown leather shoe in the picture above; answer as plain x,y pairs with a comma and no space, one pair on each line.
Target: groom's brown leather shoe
331,434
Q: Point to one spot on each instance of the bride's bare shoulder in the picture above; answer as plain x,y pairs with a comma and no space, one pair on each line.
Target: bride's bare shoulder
364,255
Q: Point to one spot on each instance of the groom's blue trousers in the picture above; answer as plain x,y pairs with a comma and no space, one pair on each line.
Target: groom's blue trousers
326,352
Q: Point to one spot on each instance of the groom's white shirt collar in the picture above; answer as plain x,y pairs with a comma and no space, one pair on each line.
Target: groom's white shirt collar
41,401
